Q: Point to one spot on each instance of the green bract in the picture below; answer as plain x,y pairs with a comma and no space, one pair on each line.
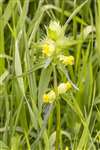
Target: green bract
55,31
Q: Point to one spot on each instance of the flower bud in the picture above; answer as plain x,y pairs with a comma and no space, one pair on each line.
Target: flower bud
55,30
64,87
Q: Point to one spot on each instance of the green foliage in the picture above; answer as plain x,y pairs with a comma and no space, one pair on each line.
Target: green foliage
26,74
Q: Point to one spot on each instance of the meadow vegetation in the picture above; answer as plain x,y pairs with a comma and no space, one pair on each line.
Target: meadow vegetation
49,74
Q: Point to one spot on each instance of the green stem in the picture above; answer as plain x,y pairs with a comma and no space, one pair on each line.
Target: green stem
58,144
58,127
2,63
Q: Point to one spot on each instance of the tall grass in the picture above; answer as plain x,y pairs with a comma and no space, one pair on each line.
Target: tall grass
26,123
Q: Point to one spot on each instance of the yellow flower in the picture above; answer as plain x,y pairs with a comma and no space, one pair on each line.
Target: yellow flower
66,60
68,85
48,48
64,87
98,137
49,97
45,98
67,148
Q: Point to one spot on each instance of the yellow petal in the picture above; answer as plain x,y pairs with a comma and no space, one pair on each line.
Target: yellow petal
49,97
67,60
68,85
67,148
63,87
48,47
52,96
45,98
45,49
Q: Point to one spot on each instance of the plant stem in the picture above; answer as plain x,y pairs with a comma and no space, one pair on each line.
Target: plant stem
58,144
58,127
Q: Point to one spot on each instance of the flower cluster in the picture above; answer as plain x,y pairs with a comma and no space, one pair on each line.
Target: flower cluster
52,47
61,89
54,43
48,47
66,60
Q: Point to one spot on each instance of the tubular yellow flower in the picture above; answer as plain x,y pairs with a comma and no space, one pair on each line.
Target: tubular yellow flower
68,85
45,98
67,148
67,60
64,87
48,48
49,97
